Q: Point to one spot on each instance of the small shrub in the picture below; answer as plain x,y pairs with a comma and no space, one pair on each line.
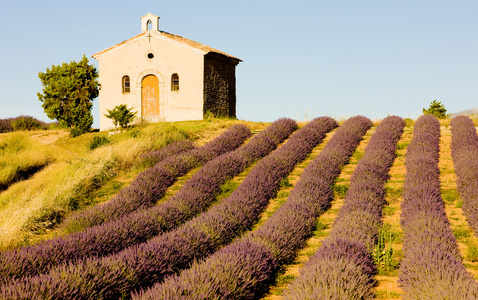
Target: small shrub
121,115
98,141
27,123
5,126
385,257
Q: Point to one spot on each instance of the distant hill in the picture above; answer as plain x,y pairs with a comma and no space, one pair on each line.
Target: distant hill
469,111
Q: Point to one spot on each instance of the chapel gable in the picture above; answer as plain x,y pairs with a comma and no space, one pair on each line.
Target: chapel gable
166,77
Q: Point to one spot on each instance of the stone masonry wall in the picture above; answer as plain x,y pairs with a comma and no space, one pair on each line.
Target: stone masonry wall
219,86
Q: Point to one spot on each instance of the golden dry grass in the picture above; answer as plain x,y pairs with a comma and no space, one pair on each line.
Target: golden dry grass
20,155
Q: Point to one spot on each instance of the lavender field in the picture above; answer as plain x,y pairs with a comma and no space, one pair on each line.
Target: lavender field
317,210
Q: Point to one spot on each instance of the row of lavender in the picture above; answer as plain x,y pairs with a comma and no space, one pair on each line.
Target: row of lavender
150,185
343,267
142,265
244,269
195,195
464,151
432,267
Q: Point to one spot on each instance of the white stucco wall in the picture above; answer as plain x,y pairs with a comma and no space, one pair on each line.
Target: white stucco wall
170,56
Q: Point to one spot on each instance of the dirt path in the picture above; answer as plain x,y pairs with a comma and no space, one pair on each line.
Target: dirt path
49,137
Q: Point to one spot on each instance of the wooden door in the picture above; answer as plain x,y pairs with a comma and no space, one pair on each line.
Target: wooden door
150,96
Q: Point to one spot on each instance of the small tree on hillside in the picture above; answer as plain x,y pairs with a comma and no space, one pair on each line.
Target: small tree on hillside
121,115
68,93
436,109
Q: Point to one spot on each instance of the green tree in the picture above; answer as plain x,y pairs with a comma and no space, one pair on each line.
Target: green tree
121,115
68,93
436,109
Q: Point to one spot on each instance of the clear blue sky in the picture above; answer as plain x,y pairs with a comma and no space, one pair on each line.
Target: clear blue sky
300,58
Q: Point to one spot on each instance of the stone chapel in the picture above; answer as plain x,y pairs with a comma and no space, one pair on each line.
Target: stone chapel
166,77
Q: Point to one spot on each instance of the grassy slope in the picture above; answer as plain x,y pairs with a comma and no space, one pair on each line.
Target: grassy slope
20,156
68,151
78,177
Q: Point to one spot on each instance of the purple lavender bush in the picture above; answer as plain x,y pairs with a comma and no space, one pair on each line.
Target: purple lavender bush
142,265
464,151
228,281
432,267
244,269
5,126
342,270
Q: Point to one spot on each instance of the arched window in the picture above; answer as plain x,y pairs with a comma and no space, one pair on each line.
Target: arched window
175,82
126,84
149,25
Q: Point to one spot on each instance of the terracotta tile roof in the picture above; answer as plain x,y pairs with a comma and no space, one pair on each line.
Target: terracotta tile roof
176,38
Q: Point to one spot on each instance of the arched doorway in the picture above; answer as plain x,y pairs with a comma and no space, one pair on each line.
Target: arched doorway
150,96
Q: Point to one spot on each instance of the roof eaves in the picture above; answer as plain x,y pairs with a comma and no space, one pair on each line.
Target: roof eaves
197,45
117,45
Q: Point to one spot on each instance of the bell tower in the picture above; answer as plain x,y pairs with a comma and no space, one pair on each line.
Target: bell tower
149,22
